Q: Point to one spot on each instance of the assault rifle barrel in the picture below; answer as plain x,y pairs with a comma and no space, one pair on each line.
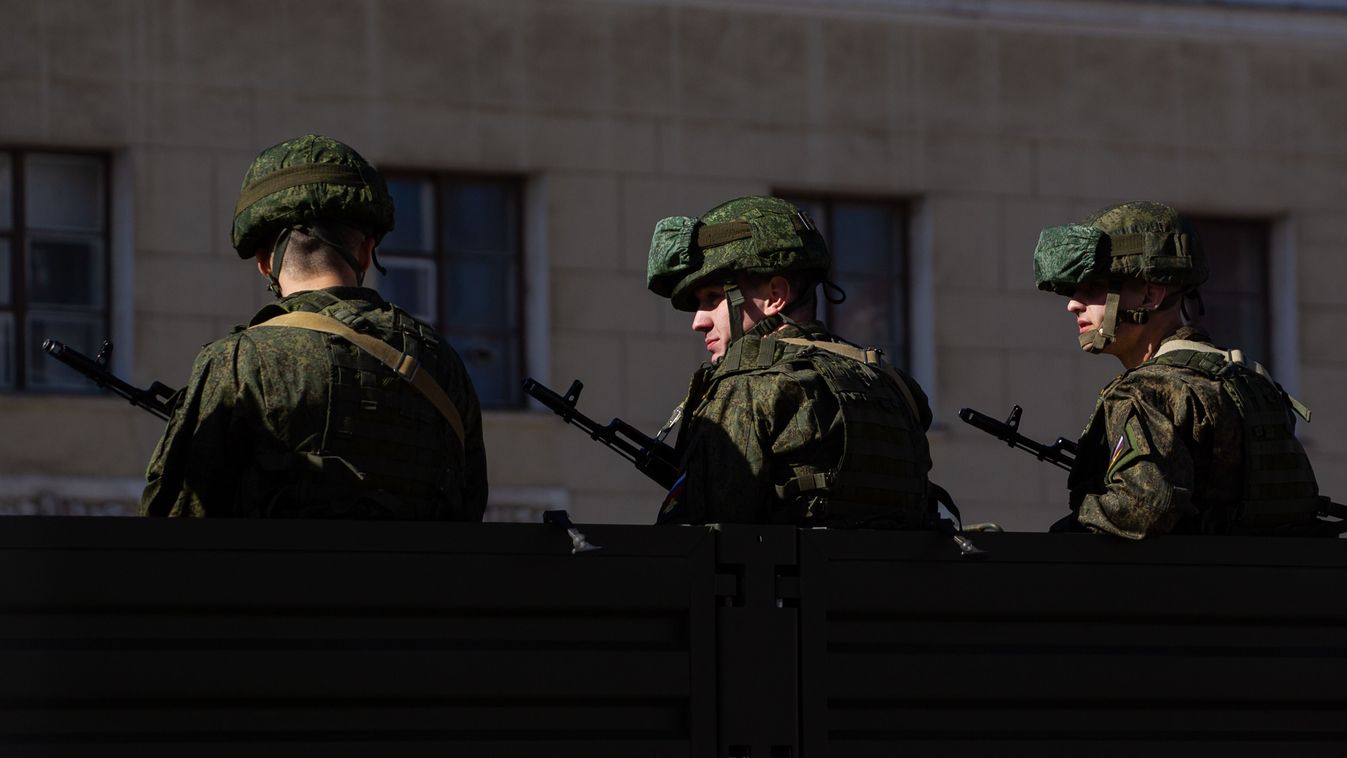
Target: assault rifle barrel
96,369
1061,453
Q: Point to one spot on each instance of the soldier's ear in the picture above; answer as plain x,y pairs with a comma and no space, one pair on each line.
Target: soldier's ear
779,292
364,255
1154,296
263,257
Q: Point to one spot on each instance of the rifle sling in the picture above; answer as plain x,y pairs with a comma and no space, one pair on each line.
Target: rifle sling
402,364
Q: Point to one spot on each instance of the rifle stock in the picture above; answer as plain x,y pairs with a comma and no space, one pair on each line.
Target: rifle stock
650,456
1061,453
154,399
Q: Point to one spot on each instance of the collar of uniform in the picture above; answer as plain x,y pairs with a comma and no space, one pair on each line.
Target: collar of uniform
746,352
317,300
1189,333
811,330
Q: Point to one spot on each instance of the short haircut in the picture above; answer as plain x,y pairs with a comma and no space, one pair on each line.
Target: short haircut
307,255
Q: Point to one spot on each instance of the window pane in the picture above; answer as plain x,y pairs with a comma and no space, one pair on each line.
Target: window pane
5,264
479,293
6,351
1237,321
479,217
863,238
64,192
491,365
873,315
65,272
1236,293
414,218
78,331
6,193
410,285
1236,253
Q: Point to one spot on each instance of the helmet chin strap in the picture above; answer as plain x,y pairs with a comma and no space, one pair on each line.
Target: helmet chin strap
766,325
735,297
1095,339
323,234
277,256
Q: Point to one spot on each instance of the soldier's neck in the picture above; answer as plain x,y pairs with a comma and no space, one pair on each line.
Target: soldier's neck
1144,341
291,285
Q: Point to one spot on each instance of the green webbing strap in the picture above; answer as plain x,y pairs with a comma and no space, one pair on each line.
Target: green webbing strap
1127,244
278,249
712,235
1233,356
736,299
1109,329
801,483
293,176
402,364
869,358
1201,347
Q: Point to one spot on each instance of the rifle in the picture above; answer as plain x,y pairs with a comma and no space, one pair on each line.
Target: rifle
152,399
650,456
1061,453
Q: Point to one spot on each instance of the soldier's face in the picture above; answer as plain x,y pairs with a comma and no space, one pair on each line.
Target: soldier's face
1087,305
712,318
1089,302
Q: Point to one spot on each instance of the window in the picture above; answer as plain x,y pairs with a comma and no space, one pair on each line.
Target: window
454,260
868,241
1236,293
53,264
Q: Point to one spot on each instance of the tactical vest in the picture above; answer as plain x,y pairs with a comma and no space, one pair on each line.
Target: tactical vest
385,451
1279,487
880,480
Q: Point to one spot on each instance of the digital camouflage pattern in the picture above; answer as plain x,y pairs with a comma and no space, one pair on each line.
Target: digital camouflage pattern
341,185
763,235
1148,241
1164,452
286,422
767,418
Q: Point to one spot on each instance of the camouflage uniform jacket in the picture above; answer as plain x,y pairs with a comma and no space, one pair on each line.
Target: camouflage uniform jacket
765,414
287,422
1164,452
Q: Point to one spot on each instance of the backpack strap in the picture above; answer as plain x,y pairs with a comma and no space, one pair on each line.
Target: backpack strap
403,365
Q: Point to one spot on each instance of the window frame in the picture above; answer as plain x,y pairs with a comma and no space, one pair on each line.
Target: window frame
19,238
902,209
438,256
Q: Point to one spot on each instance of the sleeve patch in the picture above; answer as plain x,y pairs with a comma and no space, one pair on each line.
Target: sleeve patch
1132,444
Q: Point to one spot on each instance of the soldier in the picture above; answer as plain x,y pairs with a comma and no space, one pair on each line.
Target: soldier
1189,438
332,402
787,423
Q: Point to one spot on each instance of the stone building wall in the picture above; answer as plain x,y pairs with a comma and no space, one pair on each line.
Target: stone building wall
991,119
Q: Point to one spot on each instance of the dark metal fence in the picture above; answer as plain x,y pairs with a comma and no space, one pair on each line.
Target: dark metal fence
147,637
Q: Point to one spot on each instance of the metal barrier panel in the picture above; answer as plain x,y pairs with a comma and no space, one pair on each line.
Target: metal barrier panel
757,631
154,637
1072,645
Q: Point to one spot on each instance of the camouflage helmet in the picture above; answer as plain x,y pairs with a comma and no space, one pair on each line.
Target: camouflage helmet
1148,241
305,180
761,235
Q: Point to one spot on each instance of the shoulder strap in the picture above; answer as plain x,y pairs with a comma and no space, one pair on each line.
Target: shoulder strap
870,358
1233,355
402,364
1201,347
